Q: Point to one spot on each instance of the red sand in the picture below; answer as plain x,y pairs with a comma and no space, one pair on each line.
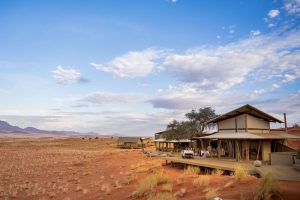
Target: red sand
78,169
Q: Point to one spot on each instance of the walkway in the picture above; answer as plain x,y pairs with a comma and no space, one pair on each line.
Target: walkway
279,172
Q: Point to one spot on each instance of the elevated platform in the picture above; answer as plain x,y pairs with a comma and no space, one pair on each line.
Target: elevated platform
280,172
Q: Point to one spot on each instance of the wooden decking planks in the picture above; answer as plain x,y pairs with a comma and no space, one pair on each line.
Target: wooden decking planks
210,163
280,172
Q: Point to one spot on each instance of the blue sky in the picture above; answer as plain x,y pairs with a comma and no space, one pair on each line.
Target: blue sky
130,67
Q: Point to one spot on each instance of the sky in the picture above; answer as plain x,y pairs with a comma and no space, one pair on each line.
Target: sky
130,67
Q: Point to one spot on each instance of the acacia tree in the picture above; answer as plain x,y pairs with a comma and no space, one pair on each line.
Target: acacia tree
201,117
194,126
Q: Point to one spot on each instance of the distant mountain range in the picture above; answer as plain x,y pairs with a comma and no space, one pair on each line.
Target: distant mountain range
7,128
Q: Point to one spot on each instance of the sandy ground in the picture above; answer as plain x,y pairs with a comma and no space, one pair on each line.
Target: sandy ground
72,168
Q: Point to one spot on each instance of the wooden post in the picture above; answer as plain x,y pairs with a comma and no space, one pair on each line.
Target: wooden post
236,151
219,149
202,145
232,148
285,124
275,145
247,150
258,151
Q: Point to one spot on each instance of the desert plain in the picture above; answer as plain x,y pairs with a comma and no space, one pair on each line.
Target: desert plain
94,168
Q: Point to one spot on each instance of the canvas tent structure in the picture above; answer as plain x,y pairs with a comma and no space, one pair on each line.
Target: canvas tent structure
245,134
133,142
162,144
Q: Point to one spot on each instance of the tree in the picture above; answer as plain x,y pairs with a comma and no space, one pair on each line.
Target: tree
201,117
194,126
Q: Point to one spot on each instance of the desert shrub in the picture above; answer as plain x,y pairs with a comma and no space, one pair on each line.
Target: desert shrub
181,192
161,178
128,179
192,170
268,187
78,188
218,172
201,181
240,173
162,196
151,181
146,186
106,188
167,187
179,180
211,193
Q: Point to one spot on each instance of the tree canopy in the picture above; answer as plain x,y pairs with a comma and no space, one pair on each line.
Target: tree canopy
194,126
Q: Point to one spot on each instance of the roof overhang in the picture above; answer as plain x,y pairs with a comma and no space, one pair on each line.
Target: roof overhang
247,135
172,141
246,109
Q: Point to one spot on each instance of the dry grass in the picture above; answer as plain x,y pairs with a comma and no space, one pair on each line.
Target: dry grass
106,188
167,187
181,192
228,184
240,173
201,181
147,185
211,193
268,187
127,179
162,196
218,172
191,170
118,184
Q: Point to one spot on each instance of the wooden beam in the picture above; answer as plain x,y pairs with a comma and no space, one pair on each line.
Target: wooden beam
285,123
246,123
219,149
247,150
258,151
236,151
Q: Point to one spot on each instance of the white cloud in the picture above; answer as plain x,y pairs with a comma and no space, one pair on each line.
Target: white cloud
290,77
109,98
261,57
287,104
292,7
275,86
255,32
231,29
273,13
271,25
67,76
132,64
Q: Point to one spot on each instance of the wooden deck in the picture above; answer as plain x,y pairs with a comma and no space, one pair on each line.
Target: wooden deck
210,163
280,172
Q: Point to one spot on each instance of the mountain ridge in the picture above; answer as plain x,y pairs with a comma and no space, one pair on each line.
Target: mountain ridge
8,128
